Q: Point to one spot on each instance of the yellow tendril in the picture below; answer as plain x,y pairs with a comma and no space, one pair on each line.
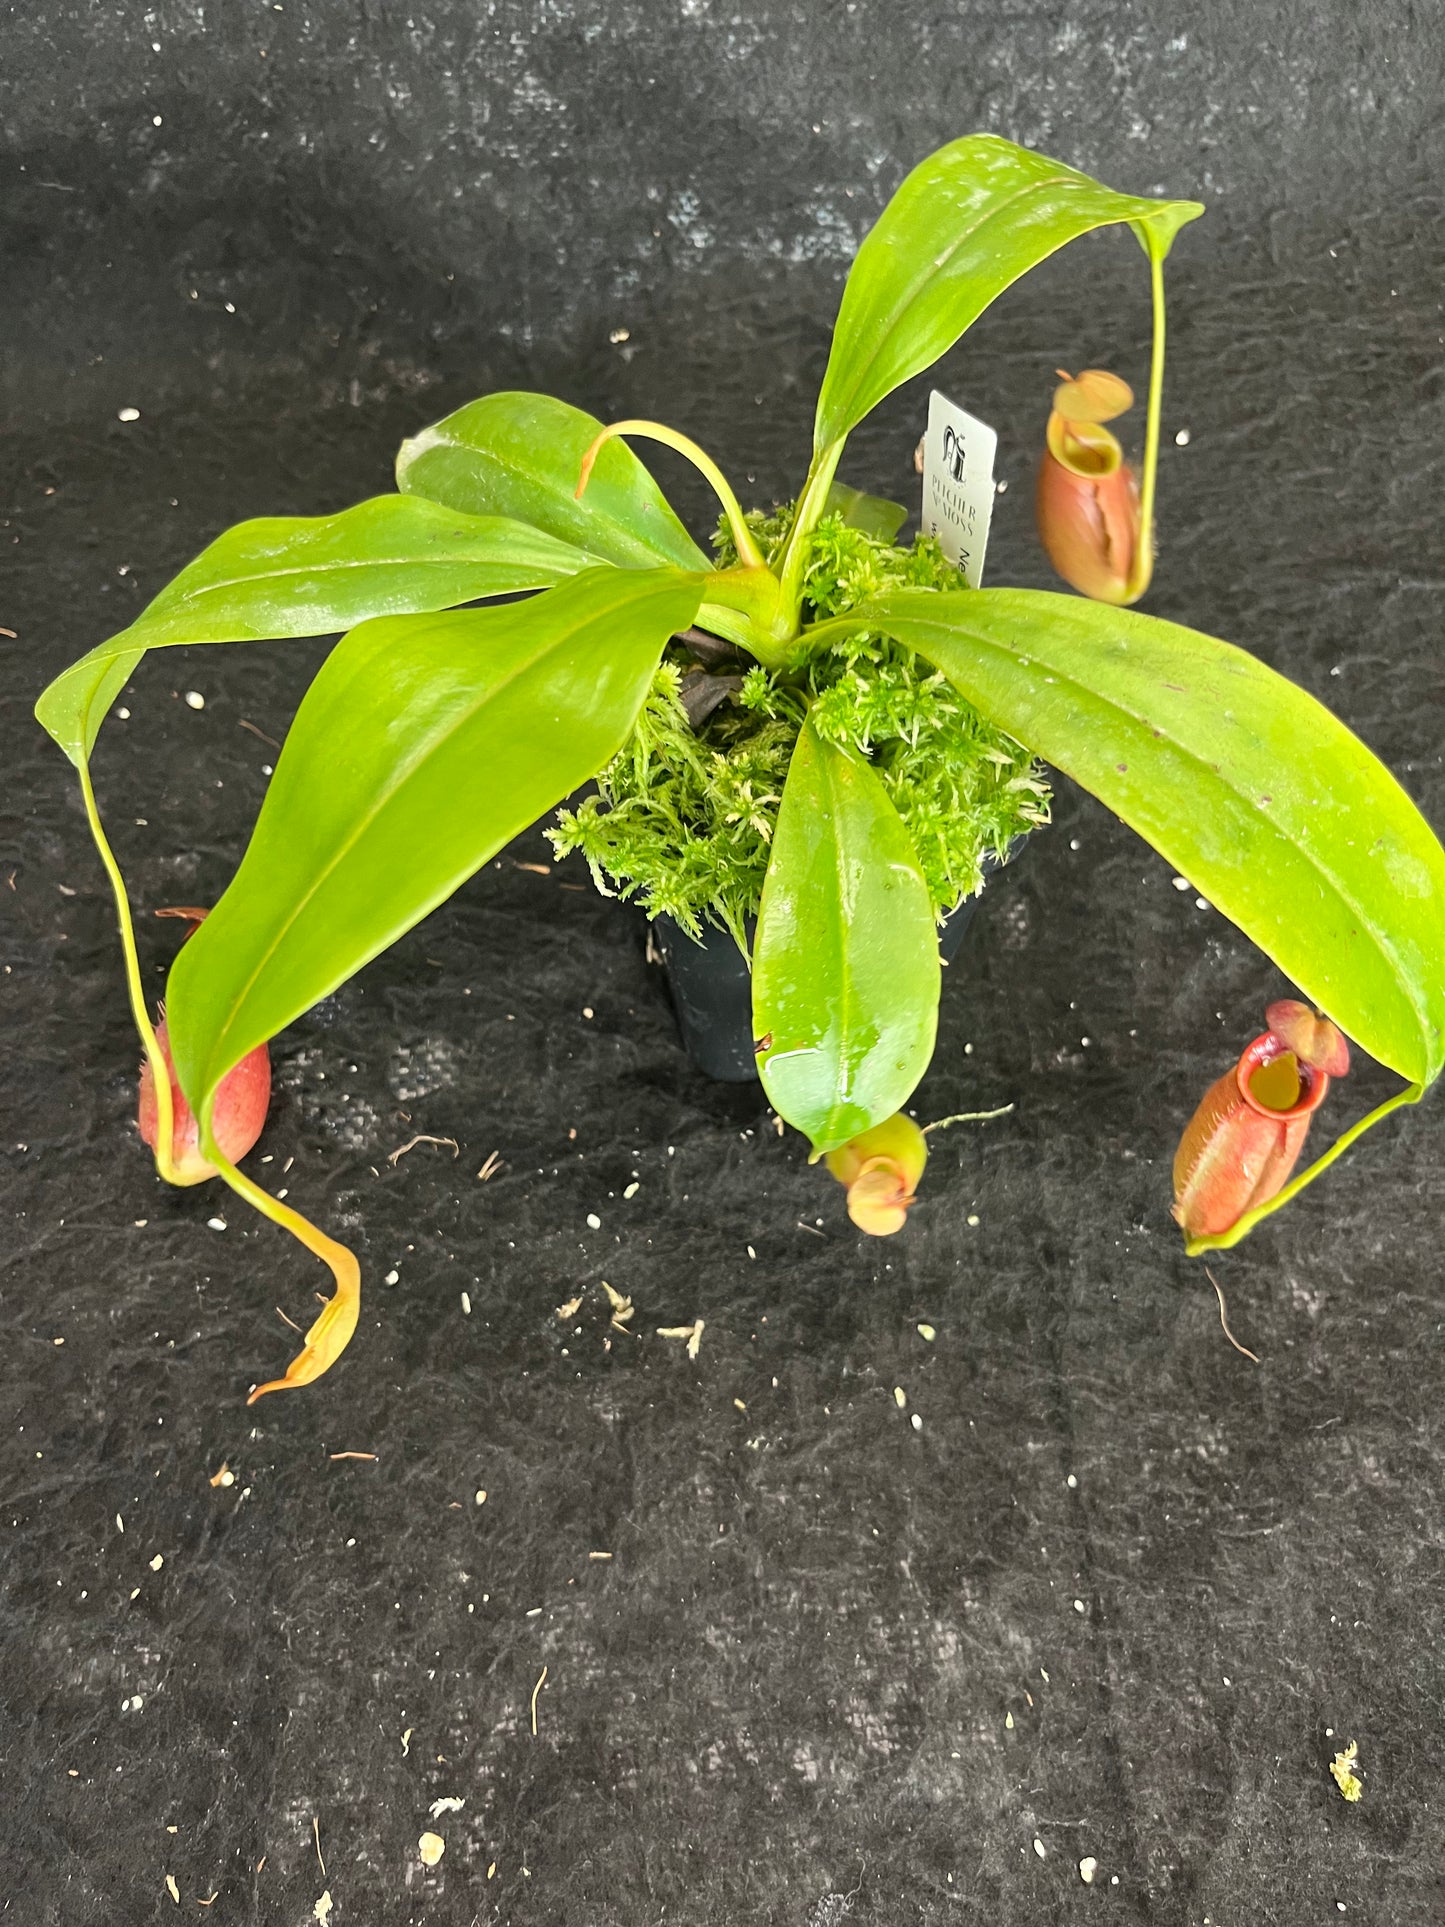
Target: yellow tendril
332,1331
1242,1226
155,1057
748,552
1143,567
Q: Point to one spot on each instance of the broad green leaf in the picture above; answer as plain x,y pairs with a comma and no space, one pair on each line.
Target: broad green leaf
873,514
1270,807
423,745
309,576
521,455
965,224
845,963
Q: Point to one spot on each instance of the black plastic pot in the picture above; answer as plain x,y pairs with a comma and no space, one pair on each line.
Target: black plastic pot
712,987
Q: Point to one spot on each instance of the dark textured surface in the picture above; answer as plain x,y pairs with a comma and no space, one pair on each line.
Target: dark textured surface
786,1697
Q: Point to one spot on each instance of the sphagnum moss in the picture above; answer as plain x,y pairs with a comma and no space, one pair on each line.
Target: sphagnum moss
683,818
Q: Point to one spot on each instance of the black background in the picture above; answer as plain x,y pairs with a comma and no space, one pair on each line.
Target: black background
786,1698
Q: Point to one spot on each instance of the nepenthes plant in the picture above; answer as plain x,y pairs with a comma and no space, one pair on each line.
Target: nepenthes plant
879,741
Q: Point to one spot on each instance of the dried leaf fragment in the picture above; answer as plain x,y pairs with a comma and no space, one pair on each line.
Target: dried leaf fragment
1342,1772
172,1889
570,1309
692,1333
322,1910
622,1307
422,1137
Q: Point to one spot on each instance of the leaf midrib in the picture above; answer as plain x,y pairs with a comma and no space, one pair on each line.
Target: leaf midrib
189,597
116,646
991,213
920,282
403,775
847,996
559,494
1193,756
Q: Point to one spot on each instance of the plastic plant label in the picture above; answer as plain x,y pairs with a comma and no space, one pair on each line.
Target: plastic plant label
958,452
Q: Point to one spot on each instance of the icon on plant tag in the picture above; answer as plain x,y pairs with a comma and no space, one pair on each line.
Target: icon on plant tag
958,452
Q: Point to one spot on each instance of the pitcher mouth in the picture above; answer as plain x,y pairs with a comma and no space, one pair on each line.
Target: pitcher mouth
1266,1049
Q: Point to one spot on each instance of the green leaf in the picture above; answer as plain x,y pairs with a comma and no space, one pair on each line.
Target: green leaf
845,964
965,224
309,576
873,514
521,455
423,745
1270,807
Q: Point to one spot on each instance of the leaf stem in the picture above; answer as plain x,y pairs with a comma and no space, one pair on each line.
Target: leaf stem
1143,566
1222,1240
160,1070
811,504
748,552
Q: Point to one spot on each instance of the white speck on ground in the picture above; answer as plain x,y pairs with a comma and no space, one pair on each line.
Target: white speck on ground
128,415
1088,1867
194,699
